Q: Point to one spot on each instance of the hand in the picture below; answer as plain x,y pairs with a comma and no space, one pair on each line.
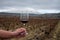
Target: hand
21,32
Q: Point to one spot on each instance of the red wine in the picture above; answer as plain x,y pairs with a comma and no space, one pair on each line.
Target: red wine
24,21
24,17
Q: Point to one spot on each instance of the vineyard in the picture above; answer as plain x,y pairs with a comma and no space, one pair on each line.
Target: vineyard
38,29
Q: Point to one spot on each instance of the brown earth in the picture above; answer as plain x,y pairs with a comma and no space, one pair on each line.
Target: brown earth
38,29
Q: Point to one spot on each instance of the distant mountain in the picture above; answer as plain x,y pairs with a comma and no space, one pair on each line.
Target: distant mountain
46,15
51,15
9,14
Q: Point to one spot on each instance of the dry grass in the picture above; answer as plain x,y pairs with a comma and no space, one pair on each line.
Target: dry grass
38,29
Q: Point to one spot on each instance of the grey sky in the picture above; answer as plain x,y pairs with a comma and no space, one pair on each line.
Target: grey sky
38,4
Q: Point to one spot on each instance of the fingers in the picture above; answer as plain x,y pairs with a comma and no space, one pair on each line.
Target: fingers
22,32
21,29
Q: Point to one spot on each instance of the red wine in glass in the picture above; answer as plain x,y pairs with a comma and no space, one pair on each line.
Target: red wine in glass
24,21
24,17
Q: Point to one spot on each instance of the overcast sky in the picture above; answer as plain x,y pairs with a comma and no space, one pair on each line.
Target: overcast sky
30,4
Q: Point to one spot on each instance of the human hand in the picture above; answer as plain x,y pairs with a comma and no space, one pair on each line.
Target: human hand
21,32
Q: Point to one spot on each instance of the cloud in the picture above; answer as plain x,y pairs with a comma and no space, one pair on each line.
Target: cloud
28,10
37,4
48,11
18,10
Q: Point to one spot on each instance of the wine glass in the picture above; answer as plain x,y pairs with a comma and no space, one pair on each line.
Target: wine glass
24,17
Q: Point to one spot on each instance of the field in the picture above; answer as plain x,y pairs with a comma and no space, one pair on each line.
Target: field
38,29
